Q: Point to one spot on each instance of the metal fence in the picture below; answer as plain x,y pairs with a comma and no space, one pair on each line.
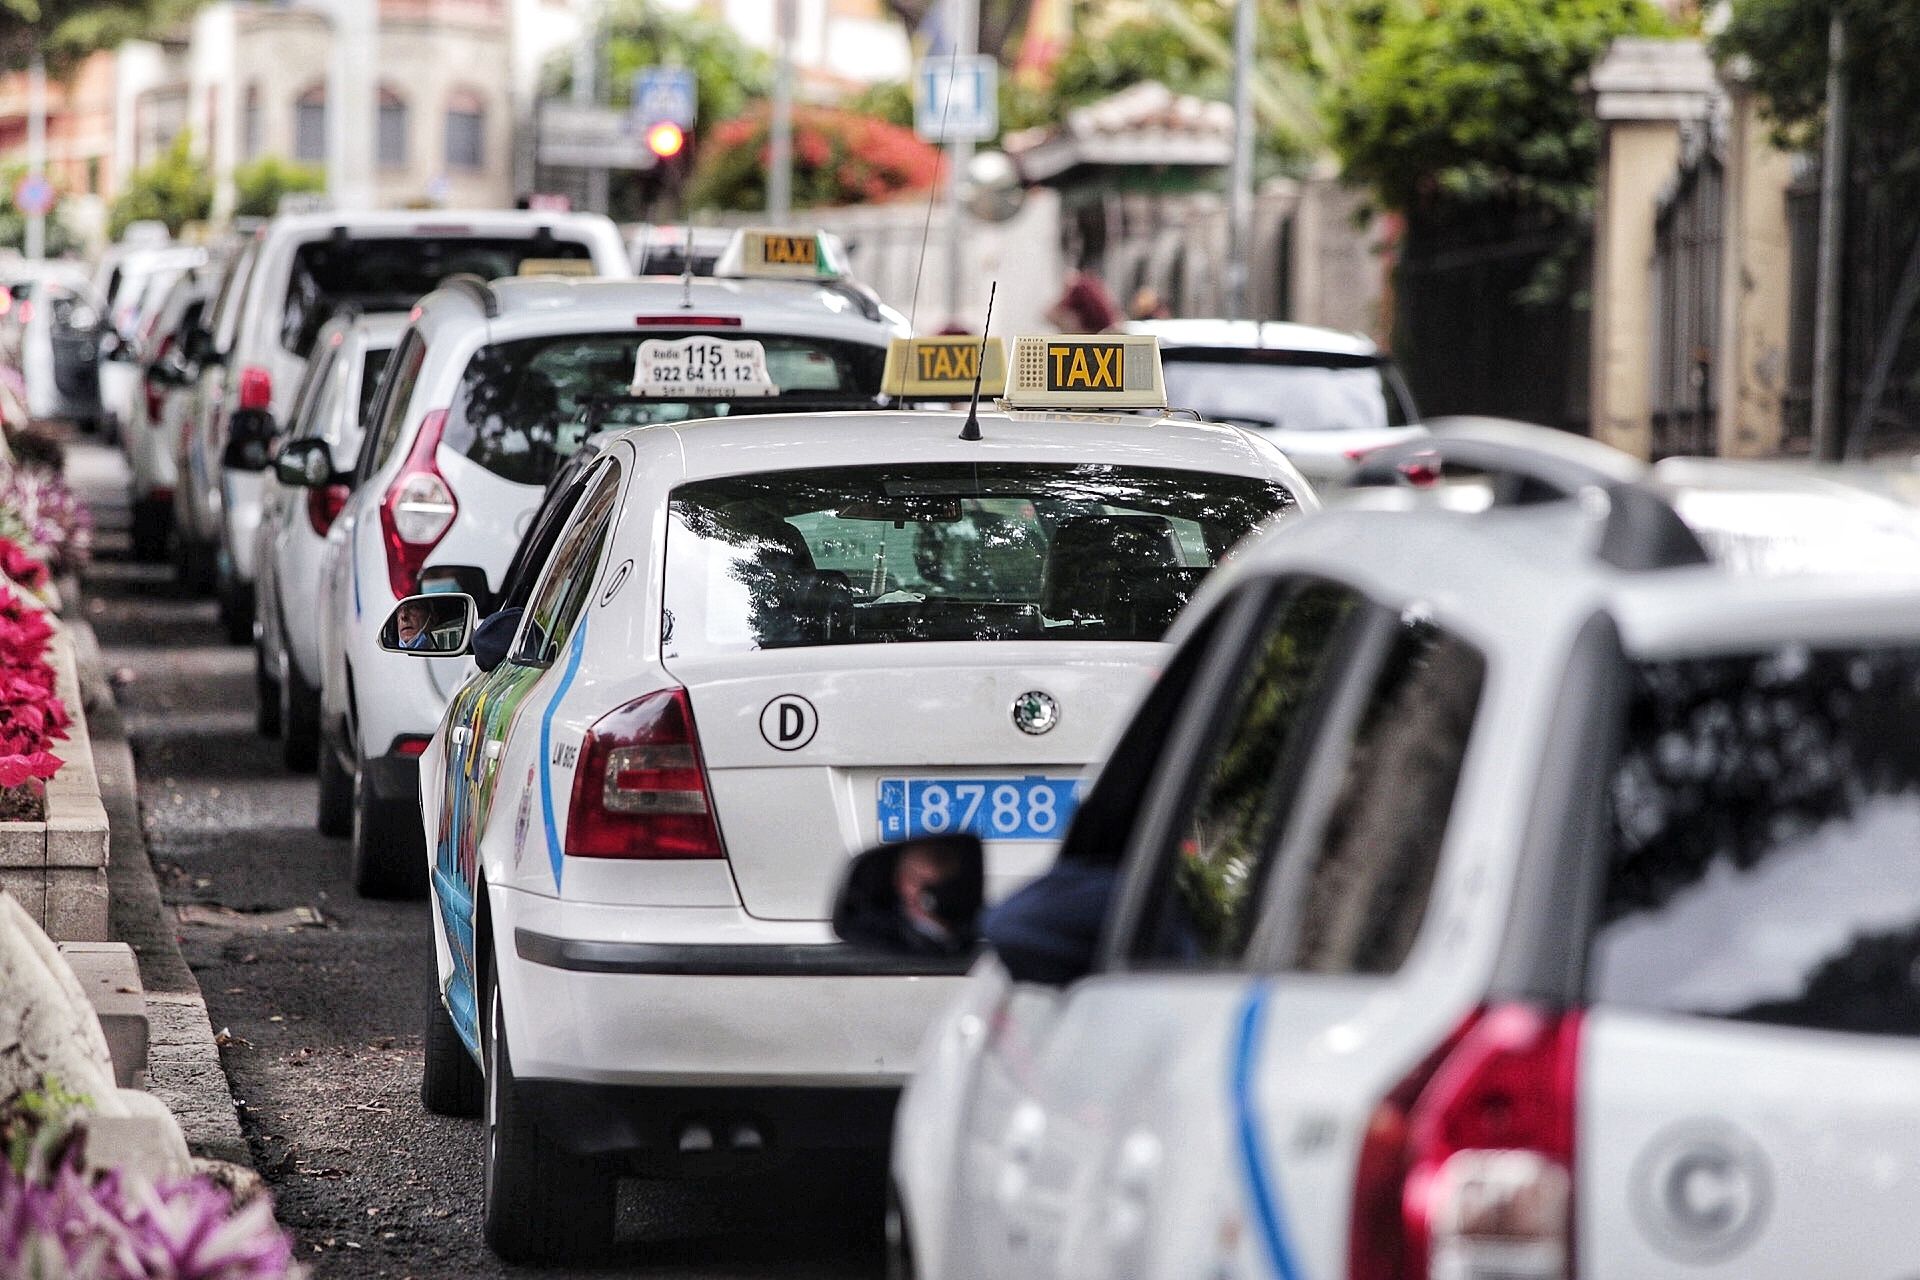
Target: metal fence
1687,242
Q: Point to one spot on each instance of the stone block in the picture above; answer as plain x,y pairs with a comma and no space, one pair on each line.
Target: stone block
23,844
76,909
110,975
29,889
77,835
146,1141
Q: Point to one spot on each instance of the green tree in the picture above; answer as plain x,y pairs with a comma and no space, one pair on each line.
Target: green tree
175,189
1780,46
64,31
1472,109
727,71
259,184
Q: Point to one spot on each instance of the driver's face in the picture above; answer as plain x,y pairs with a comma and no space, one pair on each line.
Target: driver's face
413,620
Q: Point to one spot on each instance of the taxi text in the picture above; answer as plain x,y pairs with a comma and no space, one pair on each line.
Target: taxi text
1085,366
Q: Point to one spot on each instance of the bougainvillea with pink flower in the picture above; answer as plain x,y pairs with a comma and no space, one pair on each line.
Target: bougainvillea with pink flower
79,1226
32,716
839,157
40,515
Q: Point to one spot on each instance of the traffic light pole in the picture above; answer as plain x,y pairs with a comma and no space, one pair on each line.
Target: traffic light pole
780,128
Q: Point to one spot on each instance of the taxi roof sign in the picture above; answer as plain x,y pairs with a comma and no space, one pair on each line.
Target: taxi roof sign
929,368
556,267
771,253
1086,371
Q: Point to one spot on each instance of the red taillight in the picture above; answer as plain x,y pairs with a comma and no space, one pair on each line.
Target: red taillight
1467,1167
640,790
256,388
680,320
417,510
324,505
156,395
410,744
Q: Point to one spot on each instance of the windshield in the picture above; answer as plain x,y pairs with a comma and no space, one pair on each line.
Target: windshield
946,551
1286,391
521,407
392,274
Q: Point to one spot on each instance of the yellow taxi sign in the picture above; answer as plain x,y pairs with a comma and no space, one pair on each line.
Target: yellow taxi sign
944,366
555,267
772,254
1093,371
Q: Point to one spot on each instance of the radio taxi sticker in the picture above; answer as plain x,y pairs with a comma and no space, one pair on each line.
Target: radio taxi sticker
702,366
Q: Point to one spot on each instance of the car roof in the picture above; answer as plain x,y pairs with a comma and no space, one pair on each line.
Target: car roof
1506,575
377,222
713,447
1243,335
526,306
376,328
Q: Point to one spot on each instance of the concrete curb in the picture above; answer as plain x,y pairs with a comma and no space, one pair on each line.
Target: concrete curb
183,1062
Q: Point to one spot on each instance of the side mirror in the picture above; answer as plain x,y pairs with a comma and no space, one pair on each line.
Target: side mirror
304,464
249,436
917,897
439,625
470,578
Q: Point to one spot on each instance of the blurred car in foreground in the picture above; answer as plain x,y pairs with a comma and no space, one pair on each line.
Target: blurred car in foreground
1327,398
1498,893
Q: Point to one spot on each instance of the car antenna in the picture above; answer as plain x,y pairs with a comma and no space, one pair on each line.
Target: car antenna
686,273
926,227
970,429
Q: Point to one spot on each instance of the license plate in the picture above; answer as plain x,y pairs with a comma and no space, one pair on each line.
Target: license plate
992,808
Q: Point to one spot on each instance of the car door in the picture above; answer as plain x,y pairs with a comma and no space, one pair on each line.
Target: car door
280,504
485,711
1059,1169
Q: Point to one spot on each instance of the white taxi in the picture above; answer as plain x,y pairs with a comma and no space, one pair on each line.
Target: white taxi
759,645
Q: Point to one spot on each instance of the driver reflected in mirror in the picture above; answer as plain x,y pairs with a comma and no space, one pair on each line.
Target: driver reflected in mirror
414,619
431,624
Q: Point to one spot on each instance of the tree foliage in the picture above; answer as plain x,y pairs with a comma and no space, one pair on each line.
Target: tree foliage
64,31
838,158
259,185
728,72
175,189
1780,47
1465,108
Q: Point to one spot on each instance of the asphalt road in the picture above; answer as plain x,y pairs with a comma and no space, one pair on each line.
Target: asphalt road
320,994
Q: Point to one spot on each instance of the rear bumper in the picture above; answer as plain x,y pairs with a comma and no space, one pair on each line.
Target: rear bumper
393,779
671,1008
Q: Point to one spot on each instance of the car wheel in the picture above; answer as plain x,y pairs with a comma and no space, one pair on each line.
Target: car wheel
193,566
236,610
542,1204
335,816
266,695
450,1083
388,861
152,522
299,721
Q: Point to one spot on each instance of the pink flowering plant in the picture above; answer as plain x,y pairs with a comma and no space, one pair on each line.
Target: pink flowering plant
32,716
42,517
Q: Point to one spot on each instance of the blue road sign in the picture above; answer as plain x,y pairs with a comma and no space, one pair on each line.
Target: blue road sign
662,94
33,195
956,98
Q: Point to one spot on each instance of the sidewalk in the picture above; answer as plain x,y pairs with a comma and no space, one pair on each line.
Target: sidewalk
183,1067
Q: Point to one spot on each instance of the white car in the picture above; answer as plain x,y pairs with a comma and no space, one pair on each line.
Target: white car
53,319
1519,892
173,335
759,644
298,271
130,300
342,376
1327,398
489,391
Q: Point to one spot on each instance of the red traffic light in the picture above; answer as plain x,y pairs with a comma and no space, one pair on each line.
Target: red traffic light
666,139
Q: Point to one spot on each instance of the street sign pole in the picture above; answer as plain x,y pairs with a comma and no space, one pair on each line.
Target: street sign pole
1240,169
586,92
965,15
780,128
36,245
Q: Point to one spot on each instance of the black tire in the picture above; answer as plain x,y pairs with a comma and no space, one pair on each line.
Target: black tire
542,1204
236,611
152,524
389,853
335,814
450,1081
194,566
299,722
266,696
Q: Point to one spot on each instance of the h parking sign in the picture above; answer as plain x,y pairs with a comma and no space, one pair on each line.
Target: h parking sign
956,99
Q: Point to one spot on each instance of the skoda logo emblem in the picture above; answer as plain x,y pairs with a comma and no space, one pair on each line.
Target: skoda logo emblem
1035,712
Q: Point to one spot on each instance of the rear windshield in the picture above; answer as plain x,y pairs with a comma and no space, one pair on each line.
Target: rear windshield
946,551
520,409
1286,391
392,274
1766,860
374,364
